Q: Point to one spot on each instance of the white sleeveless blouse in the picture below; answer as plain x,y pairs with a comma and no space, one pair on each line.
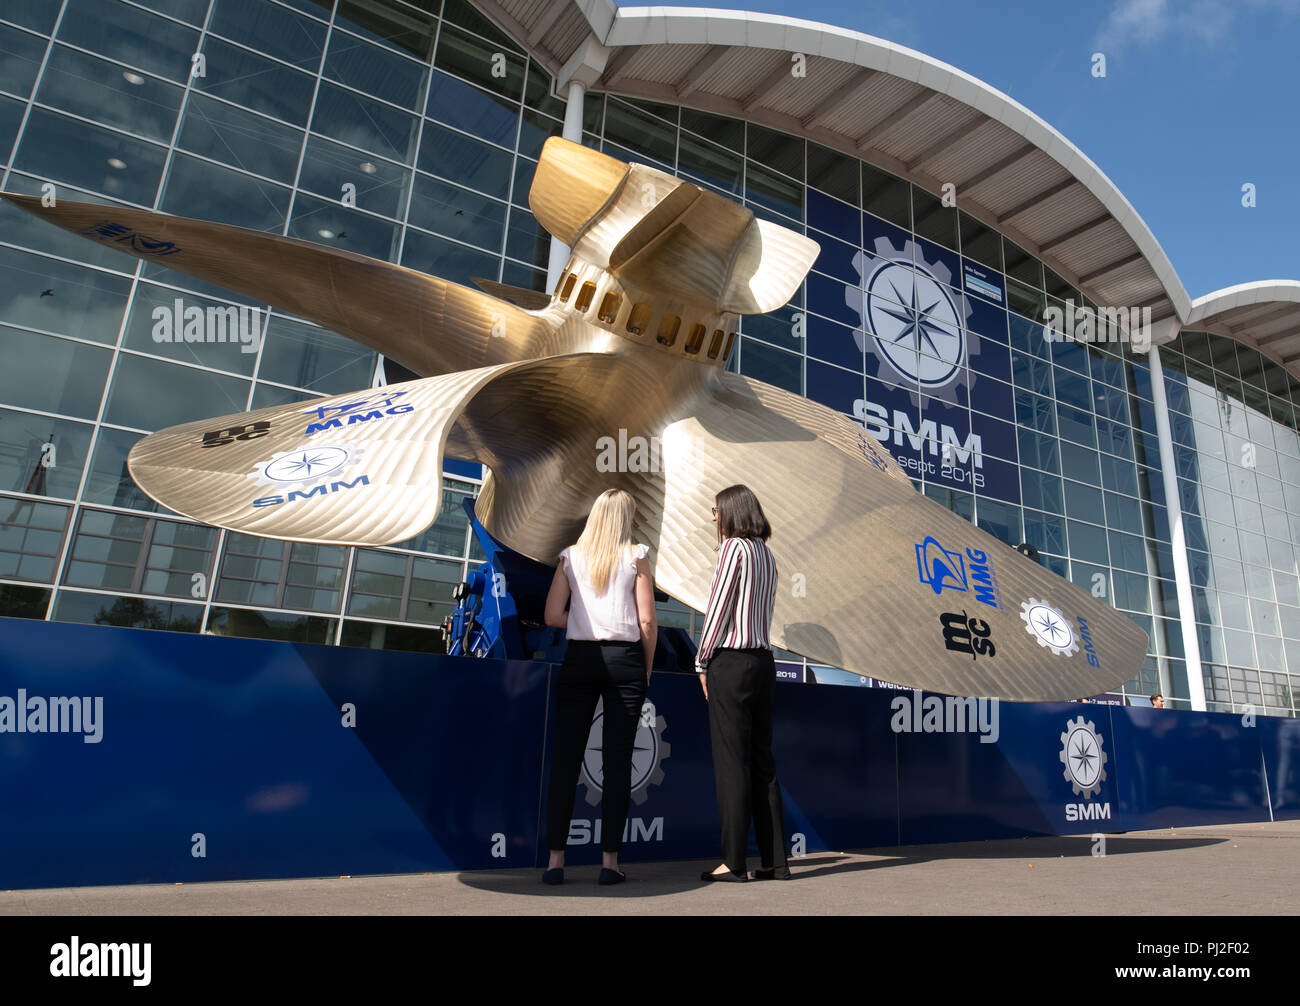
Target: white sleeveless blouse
608,616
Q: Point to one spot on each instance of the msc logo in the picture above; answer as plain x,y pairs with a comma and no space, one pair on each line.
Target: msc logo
942,569
966,635
1085,769
649,750
219,438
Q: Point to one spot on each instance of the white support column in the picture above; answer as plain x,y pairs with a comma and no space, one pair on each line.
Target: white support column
572,131
1178,541
583,70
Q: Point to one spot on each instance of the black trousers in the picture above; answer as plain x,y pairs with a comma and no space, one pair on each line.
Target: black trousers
592,671
740,686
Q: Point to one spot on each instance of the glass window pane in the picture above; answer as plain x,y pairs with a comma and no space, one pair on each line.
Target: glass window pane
127,612
407,30
379,186
309,357
54,296
109,481
646,135
486,114
378,636
271,625
465,160
65,150
20,58
483,62
239,138
52,375
325,221
447,259
270,28
210,192
376,71
177,326
255,82
764,363
360,122
151,43
104,92
41,456
149,394
458,213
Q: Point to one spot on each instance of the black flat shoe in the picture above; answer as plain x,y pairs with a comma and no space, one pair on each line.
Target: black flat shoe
608,877
773,874
553,877
725,878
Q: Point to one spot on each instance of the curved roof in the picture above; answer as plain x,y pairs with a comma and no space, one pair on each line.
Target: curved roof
1265,315
906,112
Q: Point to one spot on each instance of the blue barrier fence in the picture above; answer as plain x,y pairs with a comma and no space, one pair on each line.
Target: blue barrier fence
197,758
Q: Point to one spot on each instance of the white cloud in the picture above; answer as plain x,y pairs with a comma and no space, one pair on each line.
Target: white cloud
1144,22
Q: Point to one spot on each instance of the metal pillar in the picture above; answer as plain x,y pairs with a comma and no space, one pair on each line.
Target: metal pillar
572,131
1177,539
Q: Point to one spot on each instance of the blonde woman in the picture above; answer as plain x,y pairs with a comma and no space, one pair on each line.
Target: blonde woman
611,628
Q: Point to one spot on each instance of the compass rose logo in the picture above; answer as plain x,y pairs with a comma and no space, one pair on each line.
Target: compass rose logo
1083,758
305,466
1046,624
914,323
648,752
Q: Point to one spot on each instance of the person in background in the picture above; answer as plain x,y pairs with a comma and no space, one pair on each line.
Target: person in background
738,675
611,631
1158,701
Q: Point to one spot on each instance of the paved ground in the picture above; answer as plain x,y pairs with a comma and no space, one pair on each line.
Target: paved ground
1251,869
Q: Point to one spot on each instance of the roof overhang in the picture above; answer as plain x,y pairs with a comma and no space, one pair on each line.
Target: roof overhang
912,115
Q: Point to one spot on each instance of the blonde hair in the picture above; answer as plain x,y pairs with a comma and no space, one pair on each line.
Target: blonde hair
607,535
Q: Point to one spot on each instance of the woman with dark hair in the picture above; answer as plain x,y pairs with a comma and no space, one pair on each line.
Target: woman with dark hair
738,675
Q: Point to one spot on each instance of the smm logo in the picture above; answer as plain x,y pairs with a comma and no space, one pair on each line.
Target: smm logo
649,751
942,569
315,471
1085,769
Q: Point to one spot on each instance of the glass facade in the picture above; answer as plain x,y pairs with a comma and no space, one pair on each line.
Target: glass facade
410,132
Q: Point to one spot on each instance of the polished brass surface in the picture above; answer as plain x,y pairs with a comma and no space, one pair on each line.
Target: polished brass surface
618,380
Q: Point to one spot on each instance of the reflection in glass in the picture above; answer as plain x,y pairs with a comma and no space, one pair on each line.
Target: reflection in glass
209,192
104,92
65,150
239,138
53,375
42,456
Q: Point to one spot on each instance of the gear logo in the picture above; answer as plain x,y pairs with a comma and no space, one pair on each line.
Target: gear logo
912,317
305,467
1046,624
1083,757
649,750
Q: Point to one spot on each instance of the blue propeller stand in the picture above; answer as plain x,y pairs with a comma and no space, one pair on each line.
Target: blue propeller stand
500,612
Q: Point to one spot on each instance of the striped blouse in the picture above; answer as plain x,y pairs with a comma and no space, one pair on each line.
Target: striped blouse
739,613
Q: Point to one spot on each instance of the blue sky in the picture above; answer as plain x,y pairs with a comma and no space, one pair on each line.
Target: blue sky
1200,97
